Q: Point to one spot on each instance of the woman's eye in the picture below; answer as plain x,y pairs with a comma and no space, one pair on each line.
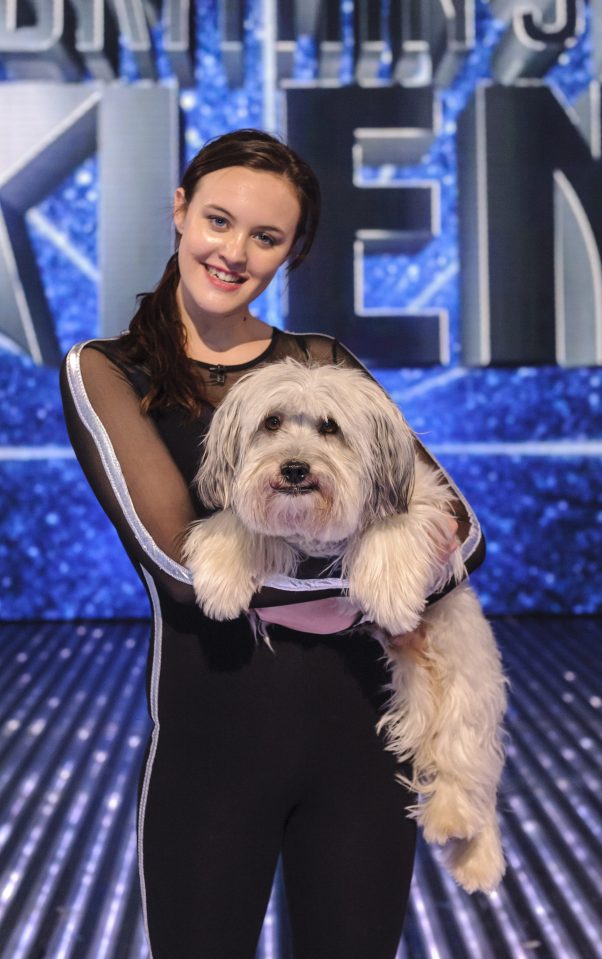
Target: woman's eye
265,239
328,426
272,423
218,221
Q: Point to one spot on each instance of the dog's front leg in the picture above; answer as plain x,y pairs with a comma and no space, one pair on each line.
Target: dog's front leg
227,563
397,562
390,569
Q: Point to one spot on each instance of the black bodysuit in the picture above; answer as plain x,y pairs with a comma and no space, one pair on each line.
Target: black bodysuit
253,753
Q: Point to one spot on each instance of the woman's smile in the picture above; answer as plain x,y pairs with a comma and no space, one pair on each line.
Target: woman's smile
224,280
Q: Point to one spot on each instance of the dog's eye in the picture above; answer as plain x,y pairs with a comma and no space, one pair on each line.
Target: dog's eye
328,426
272,423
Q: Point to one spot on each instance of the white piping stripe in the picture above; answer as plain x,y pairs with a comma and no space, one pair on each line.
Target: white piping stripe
473,539
154,711
470,544
113,471
293,585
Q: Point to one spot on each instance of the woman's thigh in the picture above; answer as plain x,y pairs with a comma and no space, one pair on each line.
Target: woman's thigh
347,868
215,793
208,853
348,846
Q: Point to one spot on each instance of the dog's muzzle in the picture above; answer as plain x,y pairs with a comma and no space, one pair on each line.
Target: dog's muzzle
294,473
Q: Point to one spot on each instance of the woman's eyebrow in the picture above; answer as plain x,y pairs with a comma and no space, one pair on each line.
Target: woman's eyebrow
222,209
214,206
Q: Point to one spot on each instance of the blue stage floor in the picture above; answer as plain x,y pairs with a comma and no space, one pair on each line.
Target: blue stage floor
73,726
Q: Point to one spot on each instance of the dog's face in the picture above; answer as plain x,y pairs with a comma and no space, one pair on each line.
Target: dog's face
299,476
307,453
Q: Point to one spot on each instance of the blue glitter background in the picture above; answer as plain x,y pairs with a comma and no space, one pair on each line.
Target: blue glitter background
542,513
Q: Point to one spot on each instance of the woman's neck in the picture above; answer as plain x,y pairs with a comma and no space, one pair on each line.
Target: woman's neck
225,339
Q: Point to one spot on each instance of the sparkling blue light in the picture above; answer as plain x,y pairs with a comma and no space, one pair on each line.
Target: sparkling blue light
59,557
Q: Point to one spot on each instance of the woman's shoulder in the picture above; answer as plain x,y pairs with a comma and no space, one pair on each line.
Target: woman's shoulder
107,352
109,346
317,347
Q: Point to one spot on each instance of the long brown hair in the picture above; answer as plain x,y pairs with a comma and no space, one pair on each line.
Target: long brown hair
156,336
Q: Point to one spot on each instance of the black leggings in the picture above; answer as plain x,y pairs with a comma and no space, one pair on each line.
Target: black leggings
263,753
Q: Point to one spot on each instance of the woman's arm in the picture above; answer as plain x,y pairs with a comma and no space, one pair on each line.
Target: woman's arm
128,467
469,532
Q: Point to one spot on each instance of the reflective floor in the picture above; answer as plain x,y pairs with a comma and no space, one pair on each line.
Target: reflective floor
73,725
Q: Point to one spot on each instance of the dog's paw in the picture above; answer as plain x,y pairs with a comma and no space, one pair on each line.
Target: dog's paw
448,814
220,560
391,570
228,601
477,864
380,583
221,592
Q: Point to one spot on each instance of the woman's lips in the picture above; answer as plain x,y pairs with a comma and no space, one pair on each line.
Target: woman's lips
223,280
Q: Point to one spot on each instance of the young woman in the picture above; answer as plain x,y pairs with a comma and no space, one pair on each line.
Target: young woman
253,753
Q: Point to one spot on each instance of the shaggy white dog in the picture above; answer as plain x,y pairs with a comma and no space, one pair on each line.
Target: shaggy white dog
318,461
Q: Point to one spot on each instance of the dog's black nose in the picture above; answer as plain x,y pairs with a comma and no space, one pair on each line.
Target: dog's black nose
294,472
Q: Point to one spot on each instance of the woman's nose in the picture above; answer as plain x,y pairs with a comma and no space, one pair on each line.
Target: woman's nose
234,250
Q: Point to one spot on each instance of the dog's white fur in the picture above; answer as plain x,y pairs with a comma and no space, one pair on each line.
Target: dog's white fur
370,501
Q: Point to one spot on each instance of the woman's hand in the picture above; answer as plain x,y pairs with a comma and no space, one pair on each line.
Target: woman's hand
451,543
412,642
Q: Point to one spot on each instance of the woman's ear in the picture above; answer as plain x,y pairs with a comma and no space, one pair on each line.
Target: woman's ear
179,209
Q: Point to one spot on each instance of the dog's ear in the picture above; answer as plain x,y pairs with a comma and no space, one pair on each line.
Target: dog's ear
221,454
393,459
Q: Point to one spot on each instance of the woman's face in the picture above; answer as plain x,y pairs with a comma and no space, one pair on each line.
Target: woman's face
234,234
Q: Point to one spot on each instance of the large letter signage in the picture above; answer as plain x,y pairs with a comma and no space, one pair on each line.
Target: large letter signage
53,127
51,130
69,38
530,229
530,176
329,126
537,35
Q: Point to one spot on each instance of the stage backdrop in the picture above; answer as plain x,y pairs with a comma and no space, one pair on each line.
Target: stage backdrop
459,151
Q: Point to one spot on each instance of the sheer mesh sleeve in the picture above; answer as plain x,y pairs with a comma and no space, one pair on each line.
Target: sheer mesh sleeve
470,535
128,466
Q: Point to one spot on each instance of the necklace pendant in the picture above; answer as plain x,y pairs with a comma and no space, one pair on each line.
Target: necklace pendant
217,374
